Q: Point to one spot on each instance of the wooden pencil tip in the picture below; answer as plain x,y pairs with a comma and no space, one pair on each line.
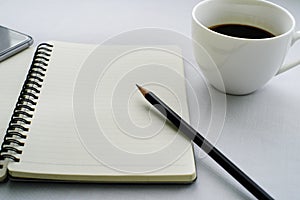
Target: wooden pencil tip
142,90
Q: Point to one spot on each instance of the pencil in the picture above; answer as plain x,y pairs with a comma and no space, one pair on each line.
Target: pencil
205,145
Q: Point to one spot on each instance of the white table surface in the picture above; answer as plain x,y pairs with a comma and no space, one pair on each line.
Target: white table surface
261,131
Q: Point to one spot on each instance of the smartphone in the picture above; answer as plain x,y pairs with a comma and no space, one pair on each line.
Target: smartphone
12,42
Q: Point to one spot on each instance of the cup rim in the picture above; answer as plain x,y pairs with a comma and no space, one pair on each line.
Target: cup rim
246,39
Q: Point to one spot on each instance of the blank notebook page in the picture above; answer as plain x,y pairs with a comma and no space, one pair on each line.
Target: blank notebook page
92,124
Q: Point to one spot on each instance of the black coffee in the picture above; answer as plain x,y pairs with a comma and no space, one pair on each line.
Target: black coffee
242,31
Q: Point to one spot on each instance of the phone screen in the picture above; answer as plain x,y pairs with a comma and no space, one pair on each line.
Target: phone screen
12,41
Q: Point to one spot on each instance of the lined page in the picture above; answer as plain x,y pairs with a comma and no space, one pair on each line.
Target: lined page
91,124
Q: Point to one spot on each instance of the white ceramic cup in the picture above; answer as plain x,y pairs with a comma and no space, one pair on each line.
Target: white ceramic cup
244,65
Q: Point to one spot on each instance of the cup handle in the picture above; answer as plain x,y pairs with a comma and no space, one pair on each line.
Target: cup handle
288,66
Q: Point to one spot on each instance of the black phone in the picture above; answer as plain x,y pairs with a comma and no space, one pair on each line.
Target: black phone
12,42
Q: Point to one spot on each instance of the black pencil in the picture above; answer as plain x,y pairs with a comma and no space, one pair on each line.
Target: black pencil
205,145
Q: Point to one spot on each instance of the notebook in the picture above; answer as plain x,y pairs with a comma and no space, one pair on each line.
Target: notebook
79,116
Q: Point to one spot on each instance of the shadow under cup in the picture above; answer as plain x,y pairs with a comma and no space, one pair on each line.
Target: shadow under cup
239,65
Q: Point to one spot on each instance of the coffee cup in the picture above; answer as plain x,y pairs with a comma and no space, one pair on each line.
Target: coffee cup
242,60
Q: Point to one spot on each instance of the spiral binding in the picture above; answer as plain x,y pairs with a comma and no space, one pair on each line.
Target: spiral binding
25,106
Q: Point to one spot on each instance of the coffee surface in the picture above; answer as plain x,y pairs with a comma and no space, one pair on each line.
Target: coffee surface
242,31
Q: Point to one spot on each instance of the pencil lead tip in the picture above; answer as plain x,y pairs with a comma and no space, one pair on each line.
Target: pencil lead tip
142,90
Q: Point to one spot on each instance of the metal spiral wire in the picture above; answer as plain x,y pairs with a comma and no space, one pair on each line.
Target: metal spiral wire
18,127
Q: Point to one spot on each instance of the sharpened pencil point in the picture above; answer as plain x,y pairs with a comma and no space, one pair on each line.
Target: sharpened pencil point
142,90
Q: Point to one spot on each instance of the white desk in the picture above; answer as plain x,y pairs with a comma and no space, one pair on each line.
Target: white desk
261,132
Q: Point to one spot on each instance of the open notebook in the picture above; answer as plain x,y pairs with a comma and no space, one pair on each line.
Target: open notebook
79,116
